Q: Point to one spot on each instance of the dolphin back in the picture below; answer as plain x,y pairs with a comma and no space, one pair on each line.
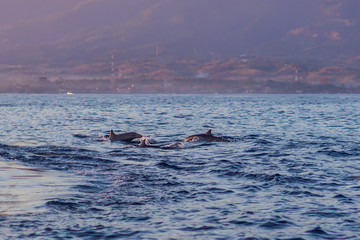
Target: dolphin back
129,136
208,136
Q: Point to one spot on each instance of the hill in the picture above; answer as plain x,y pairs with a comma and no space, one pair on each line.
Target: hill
85,31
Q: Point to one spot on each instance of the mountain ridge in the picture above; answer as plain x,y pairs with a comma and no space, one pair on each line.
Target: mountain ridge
89,30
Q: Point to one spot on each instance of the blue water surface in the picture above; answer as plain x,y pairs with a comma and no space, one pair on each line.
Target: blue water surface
290,171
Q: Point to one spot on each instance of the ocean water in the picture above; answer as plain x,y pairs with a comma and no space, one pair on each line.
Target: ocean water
290,171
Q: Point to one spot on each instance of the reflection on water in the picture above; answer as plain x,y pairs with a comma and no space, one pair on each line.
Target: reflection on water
27,142
25,189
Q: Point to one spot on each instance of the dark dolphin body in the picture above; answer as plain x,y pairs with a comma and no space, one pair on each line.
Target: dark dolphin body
205,137
127,137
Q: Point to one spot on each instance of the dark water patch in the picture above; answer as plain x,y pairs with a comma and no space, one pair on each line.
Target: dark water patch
295,238
163,182
32,160
263,142
139,218
352,178
88,188
261,176
199,228
356,187
95,210
91,159
61,205
242,223
302,193
165,165
327,139
219,191
186,116
122,204
228,173
226,168
276,223
340,196
58,158
298,179
252,188
81,136
7,105
183,165
183,192
299,144
252,136
66,160
94,232
344,199
225,163
328,213
332,185
317,231
335,153
257,152
5,154
123,234
255,238
277,154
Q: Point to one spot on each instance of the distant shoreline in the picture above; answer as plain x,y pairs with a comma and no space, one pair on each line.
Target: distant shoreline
269,94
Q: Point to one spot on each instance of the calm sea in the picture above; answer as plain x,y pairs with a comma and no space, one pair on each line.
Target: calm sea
290,171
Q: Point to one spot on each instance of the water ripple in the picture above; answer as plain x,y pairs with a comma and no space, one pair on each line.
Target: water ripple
290,170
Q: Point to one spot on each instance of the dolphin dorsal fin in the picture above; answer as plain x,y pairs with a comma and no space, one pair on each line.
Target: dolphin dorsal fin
208,132
111,133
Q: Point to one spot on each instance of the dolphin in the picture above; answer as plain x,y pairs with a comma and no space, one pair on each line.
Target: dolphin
144,142
205,137
127,137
